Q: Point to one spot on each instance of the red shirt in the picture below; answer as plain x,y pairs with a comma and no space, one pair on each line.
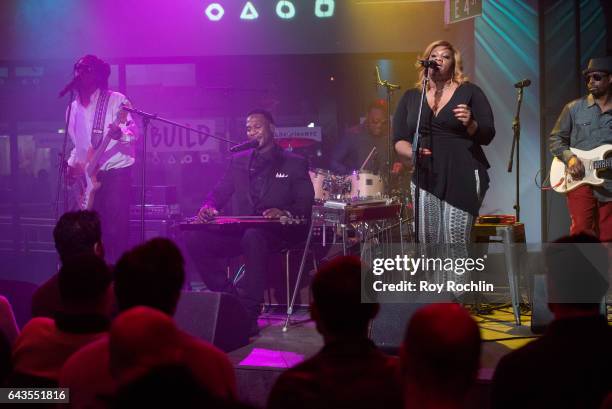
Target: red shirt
42,349
88,372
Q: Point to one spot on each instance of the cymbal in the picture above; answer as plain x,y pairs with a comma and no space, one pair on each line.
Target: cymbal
295,142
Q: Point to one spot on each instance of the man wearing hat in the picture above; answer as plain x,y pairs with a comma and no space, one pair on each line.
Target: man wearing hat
586,124
96,122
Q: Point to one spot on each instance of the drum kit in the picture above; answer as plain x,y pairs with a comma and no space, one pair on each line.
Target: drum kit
351,195
360,185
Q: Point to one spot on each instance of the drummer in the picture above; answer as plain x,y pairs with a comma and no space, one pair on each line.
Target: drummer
357,143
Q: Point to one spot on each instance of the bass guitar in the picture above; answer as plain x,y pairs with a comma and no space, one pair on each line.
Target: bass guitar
86,184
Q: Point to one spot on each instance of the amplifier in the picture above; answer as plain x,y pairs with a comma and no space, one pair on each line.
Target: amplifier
156,195
156,212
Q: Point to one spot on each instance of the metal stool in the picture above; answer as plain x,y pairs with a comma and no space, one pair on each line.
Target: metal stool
509,235
287,253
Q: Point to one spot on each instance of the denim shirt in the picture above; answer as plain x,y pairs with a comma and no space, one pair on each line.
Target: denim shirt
582,125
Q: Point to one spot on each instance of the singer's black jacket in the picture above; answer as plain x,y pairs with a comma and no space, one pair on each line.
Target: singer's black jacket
287,186
456,171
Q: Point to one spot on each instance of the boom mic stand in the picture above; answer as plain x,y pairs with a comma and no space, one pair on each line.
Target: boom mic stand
516,130
389,88
146,119
62,176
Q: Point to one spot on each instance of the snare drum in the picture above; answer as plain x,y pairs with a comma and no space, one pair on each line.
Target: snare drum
366,184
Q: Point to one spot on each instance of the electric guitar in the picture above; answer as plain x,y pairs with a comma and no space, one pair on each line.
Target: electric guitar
86,184
595,160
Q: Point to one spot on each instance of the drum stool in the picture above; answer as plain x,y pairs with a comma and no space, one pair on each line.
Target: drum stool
510,235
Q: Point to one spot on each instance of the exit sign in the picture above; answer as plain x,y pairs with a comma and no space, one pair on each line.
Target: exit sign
459,10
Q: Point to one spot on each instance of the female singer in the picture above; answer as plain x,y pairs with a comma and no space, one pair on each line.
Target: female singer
456,120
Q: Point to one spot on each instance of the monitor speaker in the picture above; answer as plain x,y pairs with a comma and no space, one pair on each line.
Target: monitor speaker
218,318
389,326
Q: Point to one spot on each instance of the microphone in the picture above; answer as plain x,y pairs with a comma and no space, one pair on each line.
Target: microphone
378,80
429,64
70,86
245,146
523,83
385,83
130,109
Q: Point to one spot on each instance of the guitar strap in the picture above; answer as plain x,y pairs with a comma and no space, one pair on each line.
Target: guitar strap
97,131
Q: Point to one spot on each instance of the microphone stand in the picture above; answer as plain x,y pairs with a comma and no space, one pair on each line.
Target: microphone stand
415,154
389,88
62,177
146,119
516,128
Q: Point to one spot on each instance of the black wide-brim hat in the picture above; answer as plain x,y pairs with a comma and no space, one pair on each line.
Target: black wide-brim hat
601,64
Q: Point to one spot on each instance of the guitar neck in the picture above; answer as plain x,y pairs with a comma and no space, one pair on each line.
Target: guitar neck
602,164
93,162
98,153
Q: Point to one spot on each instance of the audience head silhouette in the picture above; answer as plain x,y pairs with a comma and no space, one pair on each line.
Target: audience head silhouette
568,366
78,232
440,354
140,339
336,304
152,275
577,275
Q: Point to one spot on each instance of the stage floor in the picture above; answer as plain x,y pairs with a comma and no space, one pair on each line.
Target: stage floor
258,364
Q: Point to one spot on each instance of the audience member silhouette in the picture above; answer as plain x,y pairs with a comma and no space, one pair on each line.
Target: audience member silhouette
607,403
8,334
8,324
440,357
150,275
569,366
349,371
5,358
75,233
176,387
45,344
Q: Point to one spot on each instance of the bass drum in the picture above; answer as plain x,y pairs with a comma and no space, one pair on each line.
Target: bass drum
366,185
321,181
